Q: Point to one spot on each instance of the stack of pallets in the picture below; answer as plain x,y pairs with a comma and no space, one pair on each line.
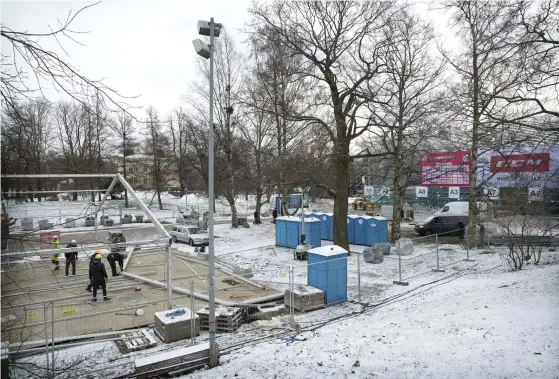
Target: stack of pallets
227,319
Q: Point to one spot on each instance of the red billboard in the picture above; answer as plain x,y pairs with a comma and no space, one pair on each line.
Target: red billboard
446,169
520,163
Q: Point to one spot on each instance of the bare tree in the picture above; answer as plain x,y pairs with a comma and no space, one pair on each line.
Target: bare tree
256,129
487,69
123,127
278,91
156,144
341,45
30,62
26,140
410,96
228,80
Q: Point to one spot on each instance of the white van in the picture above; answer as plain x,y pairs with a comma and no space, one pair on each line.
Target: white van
454,208
458,208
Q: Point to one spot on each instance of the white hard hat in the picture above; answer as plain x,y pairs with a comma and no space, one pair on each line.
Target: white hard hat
54,237
73,241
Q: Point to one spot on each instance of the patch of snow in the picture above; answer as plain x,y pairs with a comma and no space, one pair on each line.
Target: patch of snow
171,354
174,319
328,251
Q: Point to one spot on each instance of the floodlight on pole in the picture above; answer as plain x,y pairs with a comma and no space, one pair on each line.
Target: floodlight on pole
212,30
202,48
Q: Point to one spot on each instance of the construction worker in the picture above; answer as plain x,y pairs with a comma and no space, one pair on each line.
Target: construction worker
71,258
98,277
113,258
55,258
95,253
274,215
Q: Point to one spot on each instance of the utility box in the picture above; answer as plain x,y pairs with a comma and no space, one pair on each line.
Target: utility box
174,325
327,271
288,231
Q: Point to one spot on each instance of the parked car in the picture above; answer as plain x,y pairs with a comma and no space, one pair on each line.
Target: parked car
444,225
190,234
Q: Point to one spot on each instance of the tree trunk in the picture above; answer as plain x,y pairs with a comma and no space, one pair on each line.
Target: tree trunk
231,201
472,196
341,162
396,212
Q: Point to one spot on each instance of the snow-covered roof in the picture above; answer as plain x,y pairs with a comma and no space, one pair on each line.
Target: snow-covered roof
294,218
328,251
361,216
380,218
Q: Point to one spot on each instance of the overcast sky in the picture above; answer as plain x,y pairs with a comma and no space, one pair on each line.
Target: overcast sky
139,47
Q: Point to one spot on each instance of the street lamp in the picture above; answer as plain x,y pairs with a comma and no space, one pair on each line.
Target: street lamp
212,30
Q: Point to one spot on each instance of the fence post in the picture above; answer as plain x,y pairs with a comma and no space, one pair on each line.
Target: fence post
399,282
359,278
192,316
120,213
291,296
467,248
59,216
45,315
52,335
438,269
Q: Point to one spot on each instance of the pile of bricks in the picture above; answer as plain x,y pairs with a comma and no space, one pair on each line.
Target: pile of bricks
227,319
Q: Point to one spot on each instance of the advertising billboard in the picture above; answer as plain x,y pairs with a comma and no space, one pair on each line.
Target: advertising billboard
536,167
446,169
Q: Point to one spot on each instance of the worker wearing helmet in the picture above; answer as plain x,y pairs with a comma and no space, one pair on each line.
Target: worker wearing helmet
71,257
91,259
98,277
55,258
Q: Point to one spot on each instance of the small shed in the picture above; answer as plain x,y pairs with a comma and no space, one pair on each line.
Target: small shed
327,271
379,226
288,231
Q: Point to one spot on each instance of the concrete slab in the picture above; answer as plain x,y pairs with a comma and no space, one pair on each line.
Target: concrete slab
26,287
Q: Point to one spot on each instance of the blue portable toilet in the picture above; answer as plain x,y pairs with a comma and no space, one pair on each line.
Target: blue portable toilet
362,226
351,228
380,229
288,231
326,225
327,271
281,231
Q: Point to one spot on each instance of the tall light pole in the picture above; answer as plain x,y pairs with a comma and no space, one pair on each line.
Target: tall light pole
212,30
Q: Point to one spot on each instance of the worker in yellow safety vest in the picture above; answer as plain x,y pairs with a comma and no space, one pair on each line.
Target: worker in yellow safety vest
55,258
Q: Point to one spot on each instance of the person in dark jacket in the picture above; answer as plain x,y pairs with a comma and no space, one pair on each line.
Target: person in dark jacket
274,215
71,258
98,277
96,252
113,258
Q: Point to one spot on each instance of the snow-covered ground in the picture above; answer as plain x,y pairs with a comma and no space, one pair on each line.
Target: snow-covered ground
475,320
57,212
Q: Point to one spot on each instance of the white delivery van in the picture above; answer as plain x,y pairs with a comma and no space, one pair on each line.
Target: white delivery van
454,208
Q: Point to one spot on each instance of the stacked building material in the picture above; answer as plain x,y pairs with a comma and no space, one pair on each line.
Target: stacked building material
174,325
305,298
227,319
